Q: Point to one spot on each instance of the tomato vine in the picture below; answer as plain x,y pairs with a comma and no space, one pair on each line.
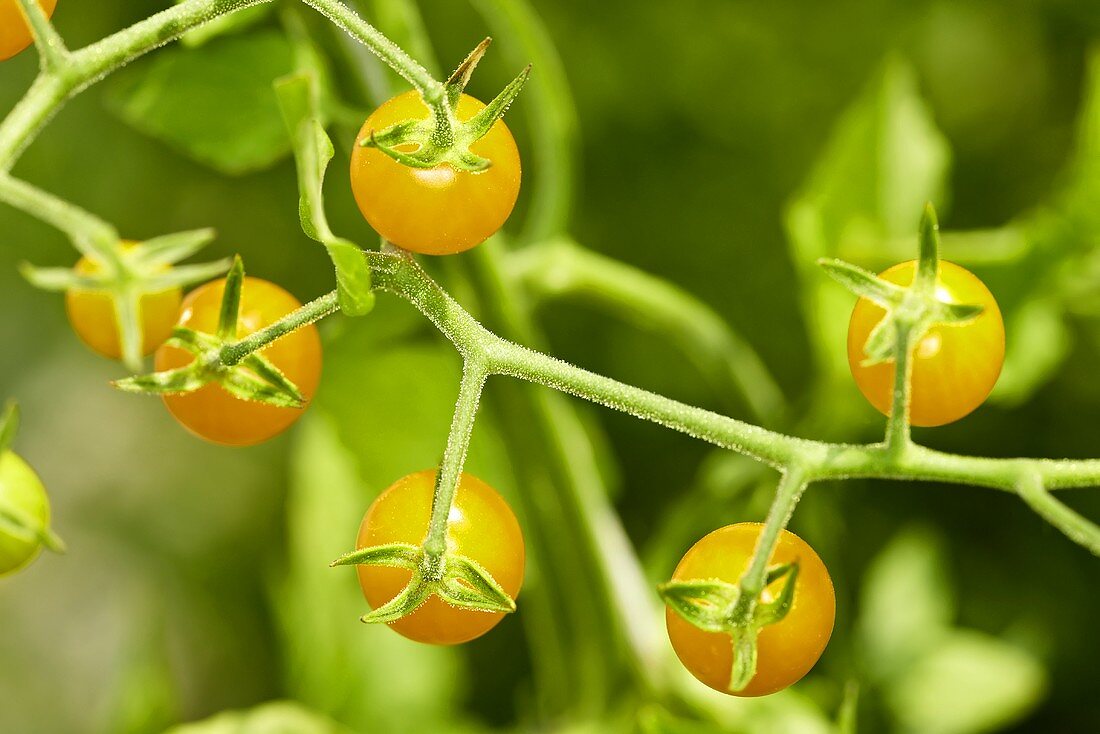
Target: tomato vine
799,461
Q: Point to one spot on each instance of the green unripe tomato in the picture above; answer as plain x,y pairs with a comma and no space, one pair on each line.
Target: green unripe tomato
23,501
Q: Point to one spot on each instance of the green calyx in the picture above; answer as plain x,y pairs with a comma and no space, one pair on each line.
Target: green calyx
911,311
127,271
443,138
250,377
714,605
459,581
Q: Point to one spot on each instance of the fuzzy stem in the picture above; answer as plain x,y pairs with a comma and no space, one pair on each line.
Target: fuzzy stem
791,486
232,354
898,432
454,456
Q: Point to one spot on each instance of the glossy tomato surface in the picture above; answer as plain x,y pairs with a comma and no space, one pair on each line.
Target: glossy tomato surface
21,491
15,33
92,316
955,366
786,650
434,211
212,413
482,527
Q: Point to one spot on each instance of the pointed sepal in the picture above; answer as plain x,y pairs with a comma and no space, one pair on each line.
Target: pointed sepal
479,125
706,603
467,584
863,283
456,84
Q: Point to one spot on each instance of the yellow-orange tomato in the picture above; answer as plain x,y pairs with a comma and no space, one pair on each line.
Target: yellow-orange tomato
787,649
92,315
212,413
955,366
434,211
15,33
482,528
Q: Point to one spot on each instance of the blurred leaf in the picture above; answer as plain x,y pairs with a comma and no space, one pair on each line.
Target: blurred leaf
1036,341
967,684
883,162
216,104
906,602
279,717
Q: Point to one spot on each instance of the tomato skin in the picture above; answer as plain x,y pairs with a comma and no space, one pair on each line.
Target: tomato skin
92,315
210,412
786,650
482,527
22,490
15,33
436,211
955,366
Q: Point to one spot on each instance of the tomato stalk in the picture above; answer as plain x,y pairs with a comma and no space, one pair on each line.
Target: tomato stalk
52,53
474,375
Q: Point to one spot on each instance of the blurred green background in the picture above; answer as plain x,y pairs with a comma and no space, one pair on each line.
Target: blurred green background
720,145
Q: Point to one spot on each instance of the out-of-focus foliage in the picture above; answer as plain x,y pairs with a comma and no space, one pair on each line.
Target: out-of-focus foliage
723,146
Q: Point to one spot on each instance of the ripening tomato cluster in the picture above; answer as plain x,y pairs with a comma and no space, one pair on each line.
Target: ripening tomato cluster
955,367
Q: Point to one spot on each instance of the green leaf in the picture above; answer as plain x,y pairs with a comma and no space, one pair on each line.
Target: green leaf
214,104
298,98
277,717
967,684
906,602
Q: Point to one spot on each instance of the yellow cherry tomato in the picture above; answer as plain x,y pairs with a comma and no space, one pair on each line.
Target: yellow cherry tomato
92,315
787,649
21,491
212,413
955,366
482,528
15,33
434,211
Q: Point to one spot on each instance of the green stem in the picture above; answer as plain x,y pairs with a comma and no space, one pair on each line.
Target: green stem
454,456
232,354
791,486
1075,527
563,268
401,275
51,49
344,17
90,234
898,432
